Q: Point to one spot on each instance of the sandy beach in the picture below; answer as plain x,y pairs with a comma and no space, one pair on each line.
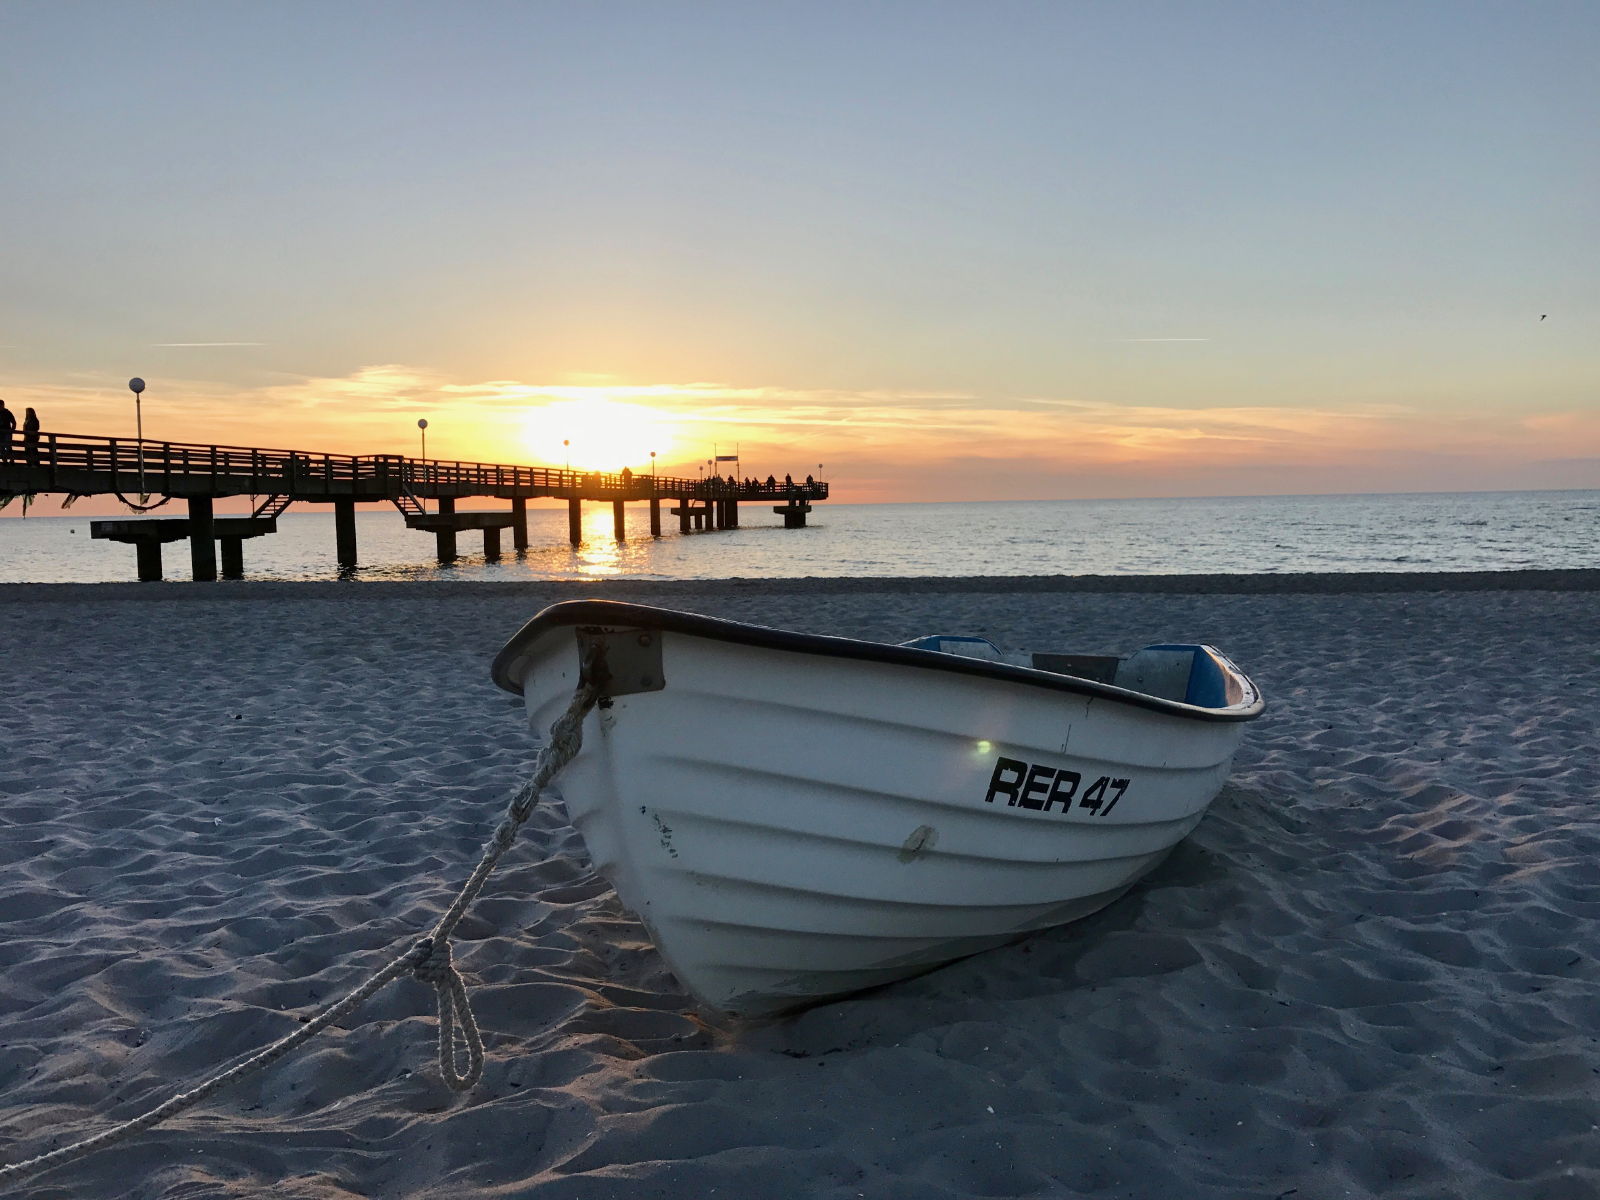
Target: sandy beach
1370,972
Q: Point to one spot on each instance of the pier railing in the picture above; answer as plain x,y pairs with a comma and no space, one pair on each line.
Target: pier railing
65,462
73,462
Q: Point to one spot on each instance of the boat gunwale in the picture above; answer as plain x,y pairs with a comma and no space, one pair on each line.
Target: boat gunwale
625,615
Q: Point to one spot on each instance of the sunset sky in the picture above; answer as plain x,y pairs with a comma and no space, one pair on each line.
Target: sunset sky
951,251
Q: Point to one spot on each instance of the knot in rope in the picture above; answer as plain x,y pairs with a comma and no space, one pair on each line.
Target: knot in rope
436,964
437,969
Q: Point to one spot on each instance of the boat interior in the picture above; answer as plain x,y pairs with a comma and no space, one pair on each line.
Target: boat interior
1188,674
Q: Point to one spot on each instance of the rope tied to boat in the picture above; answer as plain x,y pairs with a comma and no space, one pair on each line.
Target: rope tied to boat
429,960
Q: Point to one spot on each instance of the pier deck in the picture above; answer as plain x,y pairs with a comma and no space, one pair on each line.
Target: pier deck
200,474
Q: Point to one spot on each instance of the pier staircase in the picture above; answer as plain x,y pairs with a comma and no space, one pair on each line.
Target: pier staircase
408,504
272,506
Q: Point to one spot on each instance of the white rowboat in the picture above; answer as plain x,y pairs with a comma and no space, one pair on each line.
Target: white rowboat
795,817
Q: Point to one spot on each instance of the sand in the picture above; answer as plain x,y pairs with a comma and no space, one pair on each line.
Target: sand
1371,972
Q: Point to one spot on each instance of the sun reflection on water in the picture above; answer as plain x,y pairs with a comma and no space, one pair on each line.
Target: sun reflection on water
600,554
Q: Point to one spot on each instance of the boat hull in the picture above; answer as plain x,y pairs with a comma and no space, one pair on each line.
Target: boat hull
791,829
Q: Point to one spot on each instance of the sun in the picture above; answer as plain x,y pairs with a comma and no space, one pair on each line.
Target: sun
594,433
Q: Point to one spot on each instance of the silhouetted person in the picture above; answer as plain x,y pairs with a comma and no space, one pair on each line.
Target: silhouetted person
771,483
8,422
30,437
809,481
627,477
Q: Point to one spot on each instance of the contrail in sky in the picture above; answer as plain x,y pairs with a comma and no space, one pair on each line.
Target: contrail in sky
169,345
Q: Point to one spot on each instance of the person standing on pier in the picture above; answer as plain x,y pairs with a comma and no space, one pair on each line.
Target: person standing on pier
8,422
30,437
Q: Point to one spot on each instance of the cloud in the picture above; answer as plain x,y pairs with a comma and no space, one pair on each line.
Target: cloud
379,388
1589,463
911,443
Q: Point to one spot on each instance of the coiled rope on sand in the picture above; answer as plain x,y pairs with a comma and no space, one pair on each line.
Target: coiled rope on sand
428,960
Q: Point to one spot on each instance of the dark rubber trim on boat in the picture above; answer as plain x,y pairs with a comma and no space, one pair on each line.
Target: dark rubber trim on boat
620,615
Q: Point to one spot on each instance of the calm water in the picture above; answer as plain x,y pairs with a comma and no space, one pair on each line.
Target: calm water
1470,531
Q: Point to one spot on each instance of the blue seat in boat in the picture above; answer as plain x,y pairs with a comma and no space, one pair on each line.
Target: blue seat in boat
1208,686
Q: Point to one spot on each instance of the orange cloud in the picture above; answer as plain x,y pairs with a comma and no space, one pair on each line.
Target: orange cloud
876,444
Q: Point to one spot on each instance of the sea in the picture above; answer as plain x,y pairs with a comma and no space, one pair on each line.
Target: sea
1458,531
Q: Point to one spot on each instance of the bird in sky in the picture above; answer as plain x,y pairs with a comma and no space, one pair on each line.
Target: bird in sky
1542,316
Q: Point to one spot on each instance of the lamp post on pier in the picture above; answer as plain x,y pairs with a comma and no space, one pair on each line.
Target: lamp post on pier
136,386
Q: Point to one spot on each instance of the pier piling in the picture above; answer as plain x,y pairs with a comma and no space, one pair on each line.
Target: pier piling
445,535
344,531
519,522
232,556
202,546
793,513
146,535
148,551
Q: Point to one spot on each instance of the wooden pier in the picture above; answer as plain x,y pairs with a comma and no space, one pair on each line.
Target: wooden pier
199,475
